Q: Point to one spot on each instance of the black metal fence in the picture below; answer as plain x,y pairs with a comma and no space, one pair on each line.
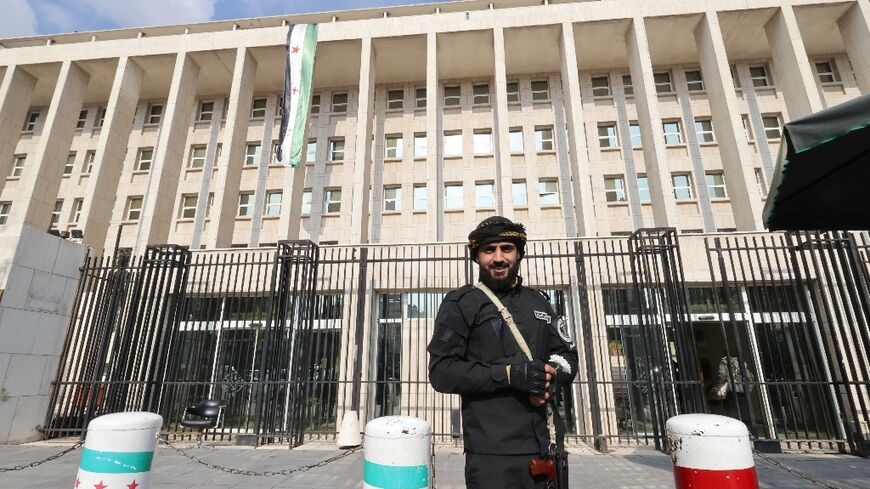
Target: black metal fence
294,338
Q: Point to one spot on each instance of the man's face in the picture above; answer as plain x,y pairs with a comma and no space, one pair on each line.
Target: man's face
499,264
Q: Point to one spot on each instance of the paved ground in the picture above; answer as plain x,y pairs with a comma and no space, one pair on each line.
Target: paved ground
623,469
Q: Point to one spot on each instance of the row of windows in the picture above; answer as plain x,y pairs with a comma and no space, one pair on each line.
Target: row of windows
681,183
608,133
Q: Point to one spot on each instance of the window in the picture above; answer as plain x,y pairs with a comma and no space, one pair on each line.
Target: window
826,72
155,112
519,194
548,192
206,111
452,143
393,146
339,102
771,126
540,90
747,128
55,213
18,165
336,149
513,92
420,98
634,129
332,200
88,165
311,151
614,189
451,96
32,119
197,157
704,130
252,154
420,197
682,184
421,148
758,75
187,210
716,184
70,162
643,189
273,203
246,204
483,141
83,117
306,202
663,82
143,159
544,138
601,86
627,87
392,198
258,108
274,158
481,94
483,195
694,81
315,104
607,135
734,77
761,182
395,99
5,209
515,140
672,132
76,210
453,196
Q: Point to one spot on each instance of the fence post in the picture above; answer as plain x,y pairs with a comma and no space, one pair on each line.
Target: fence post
599,440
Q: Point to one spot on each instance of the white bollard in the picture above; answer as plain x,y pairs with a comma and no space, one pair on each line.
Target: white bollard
118,451
397,453
348,435
711,451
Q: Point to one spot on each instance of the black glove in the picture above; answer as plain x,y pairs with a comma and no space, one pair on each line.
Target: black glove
554,383
529,377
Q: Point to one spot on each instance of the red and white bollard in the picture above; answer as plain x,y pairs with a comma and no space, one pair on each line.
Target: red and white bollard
711,451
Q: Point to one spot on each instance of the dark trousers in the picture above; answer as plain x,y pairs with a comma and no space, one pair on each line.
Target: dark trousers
499,472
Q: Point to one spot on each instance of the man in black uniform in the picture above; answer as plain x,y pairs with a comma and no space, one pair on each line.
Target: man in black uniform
473,354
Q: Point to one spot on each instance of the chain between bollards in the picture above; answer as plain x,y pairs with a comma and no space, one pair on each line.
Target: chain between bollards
43,460
799,475
254,473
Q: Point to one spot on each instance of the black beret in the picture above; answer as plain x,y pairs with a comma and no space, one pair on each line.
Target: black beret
497,228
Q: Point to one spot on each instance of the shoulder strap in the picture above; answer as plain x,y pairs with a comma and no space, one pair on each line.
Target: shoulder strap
506,315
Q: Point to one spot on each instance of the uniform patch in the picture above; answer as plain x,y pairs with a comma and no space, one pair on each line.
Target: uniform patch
543,316
564,332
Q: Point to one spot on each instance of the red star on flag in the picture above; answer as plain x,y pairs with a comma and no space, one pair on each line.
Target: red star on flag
294,49
100,485
133,485
295,89
78,482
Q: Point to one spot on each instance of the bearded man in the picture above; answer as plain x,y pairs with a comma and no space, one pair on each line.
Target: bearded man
474,353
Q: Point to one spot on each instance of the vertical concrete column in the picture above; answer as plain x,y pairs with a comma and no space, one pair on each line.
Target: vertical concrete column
41,184
793,72
584,213
434,161
359,232
111,148
728,126
170,151
16,90
207,172
654,153
504,199
855,30
226,191
263,173
705,206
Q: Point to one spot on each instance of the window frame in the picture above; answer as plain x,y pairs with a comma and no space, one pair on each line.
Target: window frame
760,81
610,139
616,193
832,73
55,214
418,99
76,212
5,211
204,114
70,164
398,143
767,129
713,187
337,106
395,200
512,139
482,98
194,158
519,184
270,208
480,189
627,88
452,198
543,192
314,108
311,150
541,142
336,154
603,90
256,110
452,136
395,103
486,144
18,169
88,163
139,160
247,205
31,121
452,100
421,196
659,85
643,190
699,83
421,150
632,134
687,187
512,96
82,120
253,159
539,94
328,202
704,135
185,208
152,119
679,133
307,200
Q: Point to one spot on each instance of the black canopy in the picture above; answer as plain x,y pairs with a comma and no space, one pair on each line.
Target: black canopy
822,177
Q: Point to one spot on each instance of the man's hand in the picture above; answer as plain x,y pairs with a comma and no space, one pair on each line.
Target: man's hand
538,400
531,377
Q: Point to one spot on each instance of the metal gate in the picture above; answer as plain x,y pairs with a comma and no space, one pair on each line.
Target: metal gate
171,328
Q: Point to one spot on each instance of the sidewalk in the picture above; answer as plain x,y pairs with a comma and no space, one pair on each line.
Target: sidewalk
624,468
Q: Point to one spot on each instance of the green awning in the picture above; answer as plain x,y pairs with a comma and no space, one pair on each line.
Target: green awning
822,171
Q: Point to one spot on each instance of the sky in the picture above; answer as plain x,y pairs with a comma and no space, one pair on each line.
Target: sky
37,17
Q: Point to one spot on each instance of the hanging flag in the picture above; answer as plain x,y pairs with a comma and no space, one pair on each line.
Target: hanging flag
298,71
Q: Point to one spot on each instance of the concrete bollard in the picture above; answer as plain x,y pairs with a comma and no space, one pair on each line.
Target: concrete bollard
711,451
118,451
397,453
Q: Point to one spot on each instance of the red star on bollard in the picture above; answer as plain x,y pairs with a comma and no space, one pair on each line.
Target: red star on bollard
132,485
100,485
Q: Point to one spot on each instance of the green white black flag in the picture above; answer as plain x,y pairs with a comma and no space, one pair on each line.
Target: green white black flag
298,70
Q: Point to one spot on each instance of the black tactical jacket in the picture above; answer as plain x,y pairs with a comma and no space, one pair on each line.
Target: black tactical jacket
468,352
